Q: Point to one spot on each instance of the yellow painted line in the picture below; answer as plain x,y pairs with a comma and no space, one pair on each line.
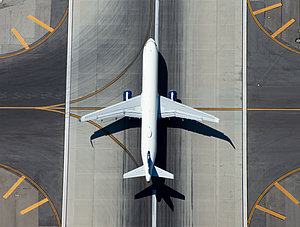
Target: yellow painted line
286,193
283,28
41,23
38,187
32,207
8,193
267,33
100,108
262,109
267,189
20,38
267,8
270,212
39,43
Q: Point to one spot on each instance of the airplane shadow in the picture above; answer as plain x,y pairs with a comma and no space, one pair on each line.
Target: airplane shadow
163,192
189,125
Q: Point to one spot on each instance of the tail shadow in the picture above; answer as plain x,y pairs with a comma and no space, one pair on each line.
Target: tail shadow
162,191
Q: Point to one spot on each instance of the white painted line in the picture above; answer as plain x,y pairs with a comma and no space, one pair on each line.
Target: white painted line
67,116
154,208
244,156
156,23
154,200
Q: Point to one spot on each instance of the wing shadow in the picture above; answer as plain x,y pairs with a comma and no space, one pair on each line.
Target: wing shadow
189,125
197,127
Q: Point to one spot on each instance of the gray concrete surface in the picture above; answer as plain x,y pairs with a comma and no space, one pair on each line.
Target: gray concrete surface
274,19
201,44
22,197
277,201
273,140
14,15
107,35
32,140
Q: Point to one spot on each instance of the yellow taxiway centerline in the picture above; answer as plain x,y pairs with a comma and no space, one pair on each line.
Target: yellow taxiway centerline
20,38
40,23
270,212
8,193
267,8
283,28
32,207
286,193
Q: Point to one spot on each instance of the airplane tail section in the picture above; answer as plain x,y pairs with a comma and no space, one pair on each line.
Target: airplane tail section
158,172
140,172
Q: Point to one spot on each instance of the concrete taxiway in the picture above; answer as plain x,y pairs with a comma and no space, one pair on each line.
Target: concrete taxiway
201,57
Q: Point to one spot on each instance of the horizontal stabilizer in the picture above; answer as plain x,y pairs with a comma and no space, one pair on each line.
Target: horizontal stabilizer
138,172
158,172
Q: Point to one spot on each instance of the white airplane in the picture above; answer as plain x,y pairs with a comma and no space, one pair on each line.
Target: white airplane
149,106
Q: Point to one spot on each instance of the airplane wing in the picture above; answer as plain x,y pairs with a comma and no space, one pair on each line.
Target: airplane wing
170,108
128,108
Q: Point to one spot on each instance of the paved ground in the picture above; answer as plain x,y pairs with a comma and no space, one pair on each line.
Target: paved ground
14,14
280,202
203,63
21,198
273,139
32,140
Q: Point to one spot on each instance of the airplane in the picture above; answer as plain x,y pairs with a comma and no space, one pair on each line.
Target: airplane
149,107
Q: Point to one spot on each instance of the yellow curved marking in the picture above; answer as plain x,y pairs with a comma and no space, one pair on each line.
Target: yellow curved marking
40,23
284,191
268,34
39,43
11,190
267,8
38,187
98,126
266,190
19,37
111,136
32,207
47,108
124,71
289,23
275,214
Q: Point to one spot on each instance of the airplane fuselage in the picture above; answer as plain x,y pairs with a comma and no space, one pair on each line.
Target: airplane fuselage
149,106
149,103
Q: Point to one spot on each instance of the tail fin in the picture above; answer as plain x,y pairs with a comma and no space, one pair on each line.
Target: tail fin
138,172
158,172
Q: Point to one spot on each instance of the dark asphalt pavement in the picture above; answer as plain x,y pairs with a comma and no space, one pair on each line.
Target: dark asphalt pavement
32,141
273,81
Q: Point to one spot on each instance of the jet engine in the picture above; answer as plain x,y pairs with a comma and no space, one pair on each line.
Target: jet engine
172,95
127,94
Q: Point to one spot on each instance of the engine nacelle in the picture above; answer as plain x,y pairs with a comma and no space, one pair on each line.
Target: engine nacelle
127,94
172,95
